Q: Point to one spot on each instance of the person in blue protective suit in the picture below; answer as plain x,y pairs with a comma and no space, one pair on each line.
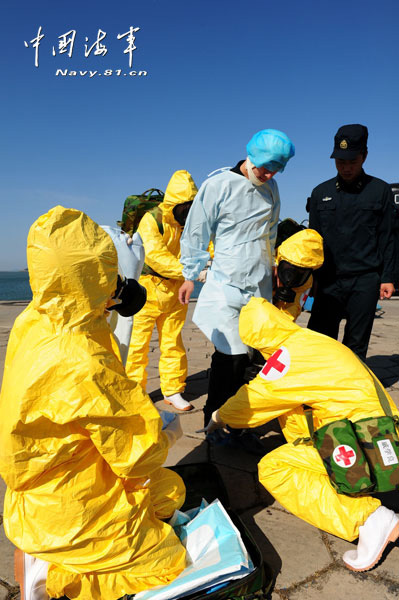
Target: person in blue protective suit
238,211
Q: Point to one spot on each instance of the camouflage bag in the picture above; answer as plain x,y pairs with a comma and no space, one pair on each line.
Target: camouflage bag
136,206
362,457
379,440
342,456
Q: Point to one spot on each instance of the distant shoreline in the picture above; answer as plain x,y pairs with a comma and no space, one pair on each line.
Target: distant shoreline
15,301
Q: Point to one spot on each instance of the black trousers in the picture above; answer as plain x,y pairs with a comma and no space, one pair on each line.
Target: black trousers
225,379
351,298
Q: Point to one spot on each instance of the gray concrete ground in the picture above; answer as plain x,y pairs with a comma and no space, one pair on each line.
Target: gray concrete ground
306,562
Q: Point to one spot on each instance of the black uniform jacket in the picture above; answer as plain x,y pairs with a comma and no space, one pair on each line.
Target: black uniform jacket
355,221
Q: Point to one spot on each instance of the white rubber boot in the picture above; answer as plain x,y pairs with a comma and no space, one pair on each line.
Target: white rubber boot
178,402
31,574
381,527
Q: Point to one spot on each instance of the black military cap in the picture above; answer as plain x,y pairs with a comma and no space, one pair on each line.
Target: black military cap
349,141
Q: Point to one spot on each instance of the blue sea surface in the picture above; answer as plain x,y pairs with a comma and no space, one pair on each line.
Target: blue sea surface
14,285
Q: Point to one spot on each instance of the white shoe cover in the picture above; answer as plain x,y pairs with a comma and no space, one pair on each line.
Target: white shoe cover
31,574
178,402
381,527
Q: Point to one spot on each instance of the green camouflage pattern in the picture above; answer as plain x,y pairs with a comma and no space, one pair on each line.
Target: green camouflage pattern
380,443
136,206
354,479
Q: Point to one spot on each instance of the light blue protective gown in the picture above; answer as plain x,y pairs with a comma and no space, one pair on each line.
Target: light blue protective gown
130,265
241,220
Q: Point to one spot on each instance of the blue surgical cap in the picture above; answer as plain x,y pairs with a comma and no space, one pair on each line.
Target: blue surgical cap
271,149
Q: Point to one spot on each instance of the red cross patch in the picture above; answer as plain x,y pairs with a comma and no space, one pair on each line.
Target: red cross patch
344,456
277,365
304,297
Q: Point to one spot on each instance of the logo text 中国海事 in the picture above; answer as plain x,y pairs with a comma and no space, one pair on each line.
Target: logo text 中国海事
66,44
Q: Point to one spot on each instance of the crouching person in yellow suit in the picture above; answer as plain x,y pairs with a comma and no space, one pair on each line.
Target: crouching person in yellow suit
297,257
81,444
305,367
162,277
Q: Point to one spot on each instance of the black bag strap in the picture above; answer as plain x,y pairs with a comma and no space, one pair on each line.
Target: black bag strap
381,395
151,191
309,418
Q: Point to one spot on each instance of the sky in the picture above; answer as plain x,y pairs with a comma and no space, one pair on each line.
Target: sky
213,73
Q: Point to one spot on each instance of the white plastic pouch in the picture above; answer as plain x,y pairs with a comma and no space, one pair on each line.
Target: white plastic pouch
215,553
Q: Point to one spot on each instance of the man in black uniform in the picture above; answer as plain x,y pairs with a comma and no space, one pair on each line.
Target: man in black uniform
353,214
395,191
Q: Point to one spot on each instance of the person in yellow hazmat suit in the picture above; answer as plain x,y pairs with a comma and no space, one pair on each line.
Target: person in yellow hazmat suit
81,444
305,367
162,278
297,257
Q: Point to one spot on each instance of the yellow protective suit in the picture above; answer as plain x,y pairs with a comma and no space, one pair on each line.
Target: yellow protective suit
311,369
303,249
162,252
81,444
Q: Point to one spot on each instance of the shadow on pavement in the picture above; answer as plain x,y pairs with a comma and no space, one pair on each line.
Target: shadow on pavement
386,368
196,386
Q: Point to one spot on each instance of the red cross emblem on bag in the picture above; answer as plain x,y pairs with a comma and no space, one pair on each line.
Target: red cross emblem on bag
304,297
277,365
344,456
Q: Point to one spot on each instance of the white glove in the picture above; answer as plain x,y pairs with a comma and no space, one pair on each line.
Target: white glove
215,422
202,276
173,431
204,272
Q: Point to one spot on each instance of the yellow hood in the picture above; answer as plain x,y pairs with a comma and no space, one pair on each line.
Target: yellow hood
264,327
303,249
181,188
71,282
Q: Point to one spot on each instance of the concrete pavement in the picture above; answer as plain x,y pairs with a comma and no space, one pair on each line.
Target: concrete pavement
307,562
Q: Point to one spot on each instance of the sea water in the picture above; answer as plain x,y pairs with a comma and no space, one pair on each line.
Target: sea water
14,285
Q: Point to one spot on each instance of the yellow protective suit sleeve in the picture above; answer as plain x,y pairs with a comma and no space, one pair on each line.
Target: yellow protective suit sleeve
129,438
157,255
254,405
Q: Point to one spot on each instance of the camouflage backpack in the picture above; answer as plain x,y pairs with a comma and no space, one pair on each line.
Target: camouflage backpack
136,206
362,457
